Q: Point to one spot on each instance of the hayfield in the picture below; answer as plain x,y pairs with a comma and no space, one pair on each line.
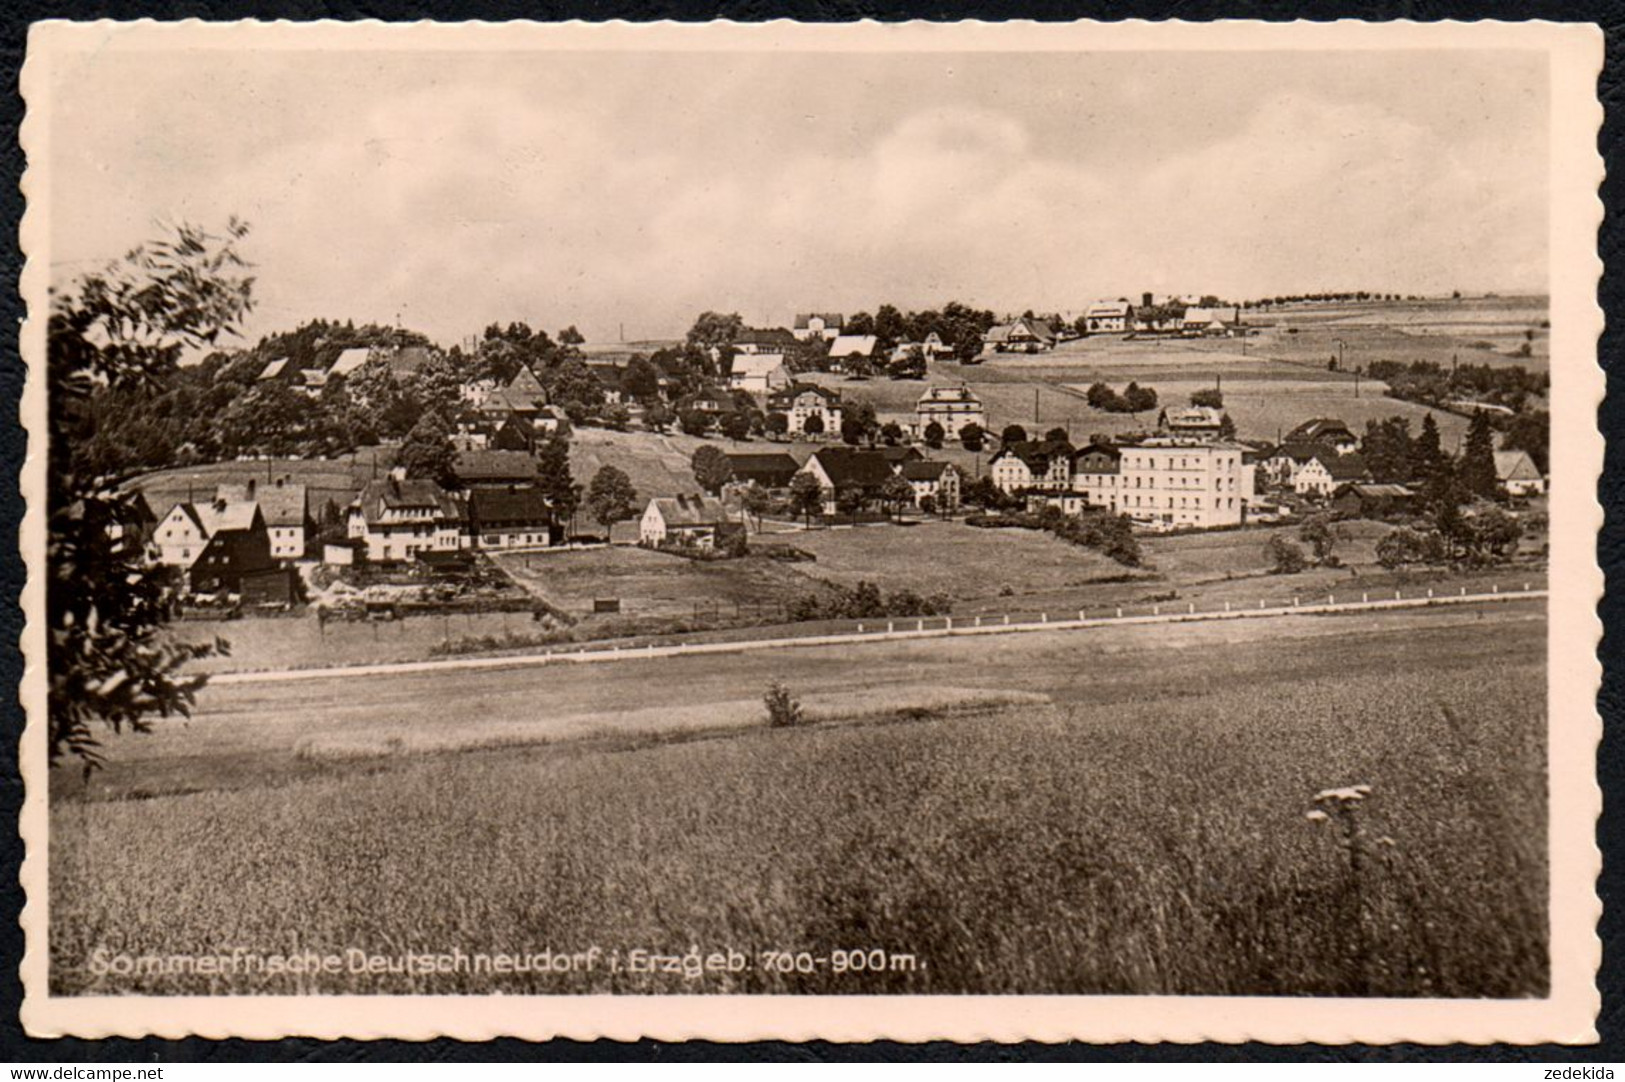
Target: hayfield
1144,832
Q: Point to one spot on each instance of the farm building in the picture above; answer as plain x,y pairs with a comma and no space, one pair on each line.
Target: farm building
499,468
839,470
937,481
1320,472
764,340
286,508
1107,317
692,521
1324,432
1020,336
525,389
759,373
771,471
853,345
509,518
238,545
1517,474
1362,500
1210,321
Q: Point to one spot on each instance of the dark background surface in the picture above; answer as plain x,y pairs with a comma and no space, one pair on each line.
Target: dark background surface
16,1046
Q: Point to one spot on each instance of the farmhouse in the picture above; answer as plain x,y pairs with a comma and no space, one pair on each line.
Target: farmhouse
286,508
1326,432
1105,317
1517,474
826,325
1170,482
238,545
1045,464
839,470
764,340
937,481
853,345
759,373
771,471
951,407
1321,472
1210,321
509,518
691,521
934,346
803,401
400,519
1021,336
525,389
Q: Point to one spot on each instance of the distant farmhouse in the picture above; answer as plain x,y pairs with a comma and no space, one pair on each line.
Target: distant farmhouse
1020,336
1109,317
801,402
759,373
825,325
690,521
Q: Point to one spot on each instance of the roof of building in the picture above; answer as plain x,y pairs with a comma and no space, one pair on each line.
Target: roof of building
756,364
1101,309
283,503
943,396
853,345
795,390
406,360
853,466
474,467
1193,417
899,453
1206,316
213,517
690,510
490,505
772,337
1343,467
349,360
1515,466
388,492
1378,491
1037,454
274,368
773,470
1082,456
924,471
525,385
831,319
1004,332
1318,429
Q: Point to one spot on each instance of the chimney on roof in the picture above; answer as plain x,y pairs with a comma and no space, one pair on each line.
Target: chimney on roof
220,504
252,484
1145,300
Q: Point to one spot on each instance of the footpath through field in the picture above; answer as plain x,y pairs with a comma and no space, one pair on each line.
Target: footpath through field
892,630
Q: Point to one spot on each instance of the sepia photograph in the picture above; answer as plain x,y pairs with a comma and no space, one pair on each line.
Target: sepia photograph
639,520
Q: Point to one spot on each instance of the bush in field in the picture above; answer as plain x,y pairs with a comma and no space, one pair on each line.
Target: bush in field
783,708
1403,545
1285,557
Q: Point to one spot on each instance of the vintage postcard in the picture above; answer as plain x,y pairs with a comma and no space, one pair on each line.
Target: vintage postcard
921,531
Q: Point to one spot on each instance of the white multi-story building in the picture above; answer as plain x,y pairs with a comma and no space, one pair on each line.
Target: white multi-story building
803,401
1173,482
951,407
402,519
1097,476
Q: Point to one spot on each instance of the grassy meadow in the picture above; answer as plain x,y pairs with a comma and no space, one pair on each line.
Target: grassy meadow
1127,815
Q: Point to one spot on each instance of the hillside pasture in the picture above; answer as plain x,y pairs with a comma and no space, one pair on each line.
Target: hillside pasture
337,479
1143,832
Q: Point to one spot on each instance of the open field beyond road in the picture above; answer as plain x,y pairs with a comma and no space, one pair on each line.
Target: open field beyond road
1140,831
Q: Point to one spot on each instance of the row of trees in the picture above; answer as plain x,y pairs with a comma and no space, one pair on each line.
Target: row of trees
1134,399
1430,383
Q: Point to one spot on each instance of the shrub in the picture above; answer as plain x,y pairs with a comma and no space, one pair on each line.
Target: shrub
783,708
1285,557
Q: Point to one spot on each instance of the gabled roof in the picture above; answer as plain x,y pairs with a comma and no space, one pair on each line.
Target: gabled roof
831,319
414,493
274,368
1343,467
1207,316
489,505
225,515
756,364
770,337
1107,309
690,510
282,503
1096,451
795,390
772,470
1317,430
1384,491
349,360
853,466
1515,466
1193,417
477,467
924,471
853,345
525,386
898,454
1037,454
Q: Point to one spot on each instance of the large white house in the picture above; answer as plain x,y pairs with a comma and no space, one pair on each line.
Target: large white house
951,407
826,325
1106,317
1170,481
801,402
402,519
1032,464
687,520
1517,474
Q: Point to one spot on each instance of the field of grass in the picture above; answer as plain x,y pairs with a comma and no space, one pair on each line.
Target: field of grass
1144,831
655,583
337,479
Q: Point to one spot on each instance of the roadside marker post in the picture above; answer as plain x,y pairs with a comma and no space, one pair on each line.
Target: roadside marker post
1156,610
1495,589
1043,617
1294,602
1007,618
1227,606
1430,591
1192,608
1464,591
1119,613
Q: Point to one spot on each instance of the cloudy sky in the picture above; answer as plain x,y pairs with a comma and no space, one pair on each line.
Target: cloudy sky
610,188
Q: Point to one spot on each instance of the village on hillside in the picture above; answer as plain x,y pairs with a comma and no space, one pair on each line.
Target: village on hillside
381,475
